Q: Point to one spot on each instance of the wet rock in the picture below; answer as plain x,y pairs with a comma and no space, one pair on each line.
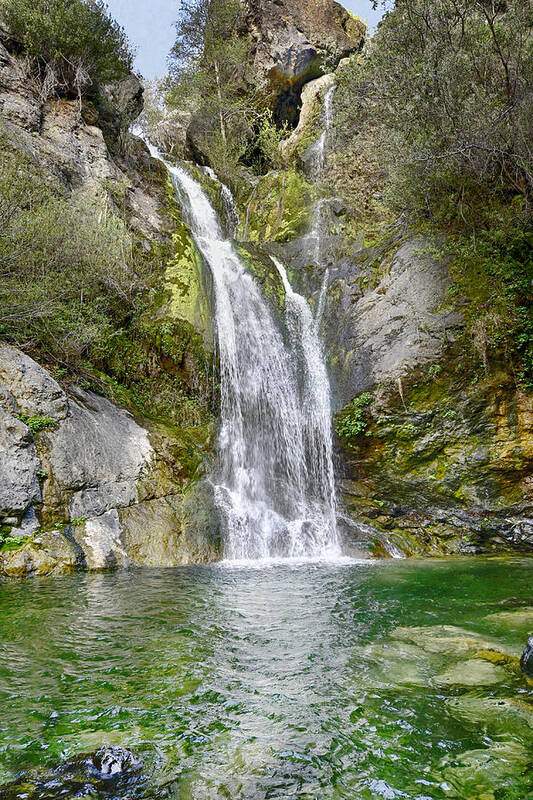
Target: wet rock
519,619
526,661
47,553
109,762
501,714
111,772
396,664
475,773
447,639
474,672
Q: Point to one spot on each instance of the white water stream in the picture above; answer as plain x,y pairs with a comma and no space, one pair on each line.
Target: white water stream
275,486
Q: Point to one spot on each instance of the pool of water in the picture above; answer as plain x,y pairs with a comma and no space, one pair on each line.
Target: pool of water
291,681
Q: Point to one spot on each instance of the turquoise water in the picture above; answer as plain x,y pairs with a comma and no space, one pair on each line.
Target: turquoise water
279,682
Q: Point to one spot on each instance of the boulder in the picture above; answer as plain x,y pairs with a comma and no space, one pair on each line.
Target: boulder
82,486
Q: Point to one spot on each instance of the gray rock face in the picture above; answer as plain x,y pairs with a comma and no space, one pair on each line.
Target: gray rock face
89,490
33,389
19,485
170,135
98,452
375,335
395,327
293,39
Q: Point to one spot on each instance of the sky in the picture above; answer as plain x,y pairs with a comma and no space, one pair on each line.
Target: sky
149,28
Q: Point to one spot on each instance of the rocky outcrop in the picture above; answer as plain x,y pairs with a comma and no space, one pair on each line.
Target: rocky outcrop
295,41
84,485
87,147
170,135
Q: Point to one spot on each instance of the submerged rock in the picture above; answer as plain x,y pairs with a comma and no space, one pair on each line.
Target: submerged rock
111,772
520,618
446,639
500,714
474,672
475,773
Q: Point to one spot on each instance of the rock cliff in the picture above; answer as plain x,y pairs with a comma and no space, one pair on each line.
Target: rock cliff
439,458
294,42
84,484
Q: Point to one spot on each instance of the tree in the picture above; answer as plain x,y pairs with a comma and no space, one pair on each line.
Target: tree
449,85
208,76
436,123
74,44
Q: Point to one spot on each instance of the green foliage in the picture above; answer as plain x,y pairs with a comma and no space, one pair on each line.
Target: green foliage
9,543
38,424
74,43
160,368
206,74
264,150
354,419
445,92
434,370
67,268
493,270
210,77
79,294
433,126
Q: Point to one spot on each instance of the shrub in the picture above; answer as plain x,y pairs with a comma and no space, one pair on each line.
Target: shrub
492,272
354,419
74,43
67,272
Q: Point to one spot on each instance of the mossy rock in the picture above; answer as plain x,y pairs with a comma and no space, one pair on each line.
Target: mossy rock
278,207
264,270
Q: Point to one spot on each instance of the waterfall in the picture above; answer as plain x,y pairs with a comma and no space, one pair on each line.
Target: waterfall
318,164
316,401
228,201
274,487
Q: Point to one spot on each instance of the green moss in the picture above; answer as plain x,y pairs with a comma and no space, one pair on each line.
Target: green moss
278,208
453,445
265,271
38,423
9,543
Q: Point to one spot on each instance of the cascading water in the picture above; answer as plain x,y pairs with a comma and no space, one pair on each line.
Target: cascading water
316,403
275,487
318,164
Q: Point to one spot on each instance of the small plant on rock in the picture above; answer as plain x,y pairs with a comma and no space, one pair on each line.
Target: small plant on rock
38,424
354,419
